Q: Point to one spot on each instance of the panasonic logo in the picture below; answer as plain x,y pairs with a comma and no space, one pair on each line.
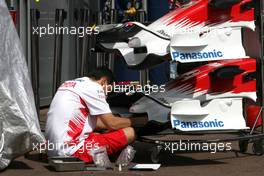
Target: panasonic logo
198,124
197,55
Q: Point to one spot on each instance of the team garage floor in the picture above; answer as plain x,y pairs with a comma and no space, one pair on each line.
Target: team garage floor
192,163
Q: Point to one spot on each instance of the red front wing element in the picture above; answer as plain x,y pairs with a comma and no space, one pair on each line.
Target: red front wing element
206,78
232,76
201,12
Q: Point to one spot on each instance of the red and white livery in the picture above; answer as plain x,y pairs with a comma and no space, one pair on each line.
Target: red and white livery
214,96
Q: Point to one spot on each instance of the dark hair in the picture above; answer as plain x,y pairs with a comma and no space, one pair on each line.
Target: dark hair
100,72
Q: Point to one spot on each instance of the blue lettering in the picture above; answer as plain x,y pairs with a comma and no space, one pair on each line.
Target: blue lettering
182,56
189,124
176,122
216,124
198,55
211,55
206,124
194,56
183,125
175,54
220,54
188,55
198,124
221,124
212,124
205,55
215,54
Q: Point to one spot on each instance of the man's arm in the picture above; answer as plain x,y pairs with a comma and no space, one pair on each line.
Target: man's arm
111,122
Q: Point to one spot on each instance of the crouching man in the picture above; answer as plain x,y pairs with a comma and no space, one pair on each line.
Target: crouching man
77,110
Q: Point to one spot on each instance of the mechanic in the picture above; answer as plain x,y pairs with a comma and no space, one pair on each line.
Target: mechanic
78,110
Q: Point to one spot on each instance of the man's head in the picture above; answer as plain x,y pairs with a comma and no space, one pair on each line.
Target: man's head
103,76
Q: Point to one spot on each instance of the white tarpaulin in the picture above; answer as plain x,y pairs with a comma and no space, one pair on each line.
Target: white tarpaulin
19,127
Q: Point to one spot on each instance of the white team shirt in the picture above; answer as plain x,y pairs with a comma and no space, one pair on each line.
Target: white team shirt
71,115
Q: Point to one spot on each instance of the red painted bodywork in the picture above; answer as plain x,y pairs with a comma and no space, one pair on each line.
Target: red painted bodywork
201,12
199,79
252,112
